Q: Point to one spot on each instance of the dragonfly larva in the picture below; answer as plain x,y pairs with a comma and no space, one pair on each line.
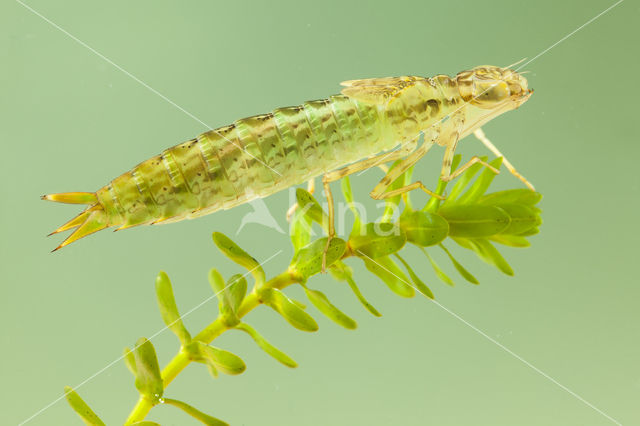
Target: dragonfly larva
373,121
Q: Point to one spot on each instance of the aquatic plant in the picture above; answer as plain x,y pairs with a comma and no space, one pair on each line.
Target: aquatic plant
469,216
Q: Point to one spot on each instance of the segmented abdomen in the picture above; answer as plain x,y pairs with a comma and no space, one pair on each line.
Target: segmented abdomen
253,157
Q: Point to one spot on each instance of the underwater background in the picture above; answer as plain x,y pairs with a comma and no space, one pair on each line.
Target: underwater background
72,121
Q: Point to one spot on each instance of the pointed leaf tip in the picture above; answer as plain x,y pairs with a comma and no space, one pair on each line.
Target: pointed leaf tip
461,269
217,358
291,312
239,256
389,272
487,252
481,184
492,256
130,361
342,272
322,303
462,183
511,240
276,353
195,413
523,218
81,408
216,281
418,283
439,272
169,309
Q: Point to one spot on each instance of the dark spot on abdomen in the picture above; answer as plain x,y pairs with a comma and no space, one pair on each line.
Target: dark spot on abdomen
434,106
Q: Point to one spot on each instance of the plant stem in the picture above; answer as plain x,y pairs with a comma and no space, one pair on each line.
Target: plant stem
207,335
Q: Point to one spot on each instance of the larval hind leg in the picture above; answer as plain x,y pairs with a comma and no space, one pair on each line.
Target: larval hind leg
379,192
351,169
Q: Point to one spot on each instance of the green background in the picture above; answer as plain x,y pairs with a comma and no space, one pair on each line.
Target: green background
71,122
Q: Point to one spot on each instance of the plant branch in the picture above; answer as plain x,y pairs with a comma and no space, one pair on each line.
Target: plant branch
207,335
469,217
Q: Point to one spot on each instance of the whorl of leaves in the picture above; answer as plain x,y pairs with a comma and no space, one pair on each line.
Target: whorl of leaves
469,217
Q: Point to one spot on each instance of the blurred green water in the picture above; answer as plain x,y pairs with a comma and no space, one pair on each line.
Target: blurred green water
72,121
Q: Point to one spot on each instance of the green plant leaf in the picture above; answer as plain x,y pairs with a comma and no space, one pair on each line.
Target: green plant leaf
241,257
308,260
529,233
233,294
197,414
213,372
420,286
348,197
81,408
377,240
148,379
276,353
298,303
433,204
236,290
216,281
511,240
389,272
474,221
391,203
345,184
311,208
219,287
222,360
322,303
225,361
462,182
487,252
292,313
481,184
300,230
523,218
145,423
229,294
407,181
130,361
342,272
423,228
439,272
169,309
461,269
511,196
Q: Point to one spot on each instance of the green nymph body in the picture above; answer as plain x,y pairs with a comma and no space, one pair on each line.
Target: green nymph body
260,155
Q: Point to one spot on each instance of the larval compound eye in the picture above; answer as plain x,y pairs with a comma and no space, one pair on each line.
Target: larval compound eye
487,94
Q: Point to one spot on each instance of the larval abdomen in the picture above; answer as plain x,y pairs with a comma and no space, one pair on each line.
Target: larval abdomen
253,157
273,151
